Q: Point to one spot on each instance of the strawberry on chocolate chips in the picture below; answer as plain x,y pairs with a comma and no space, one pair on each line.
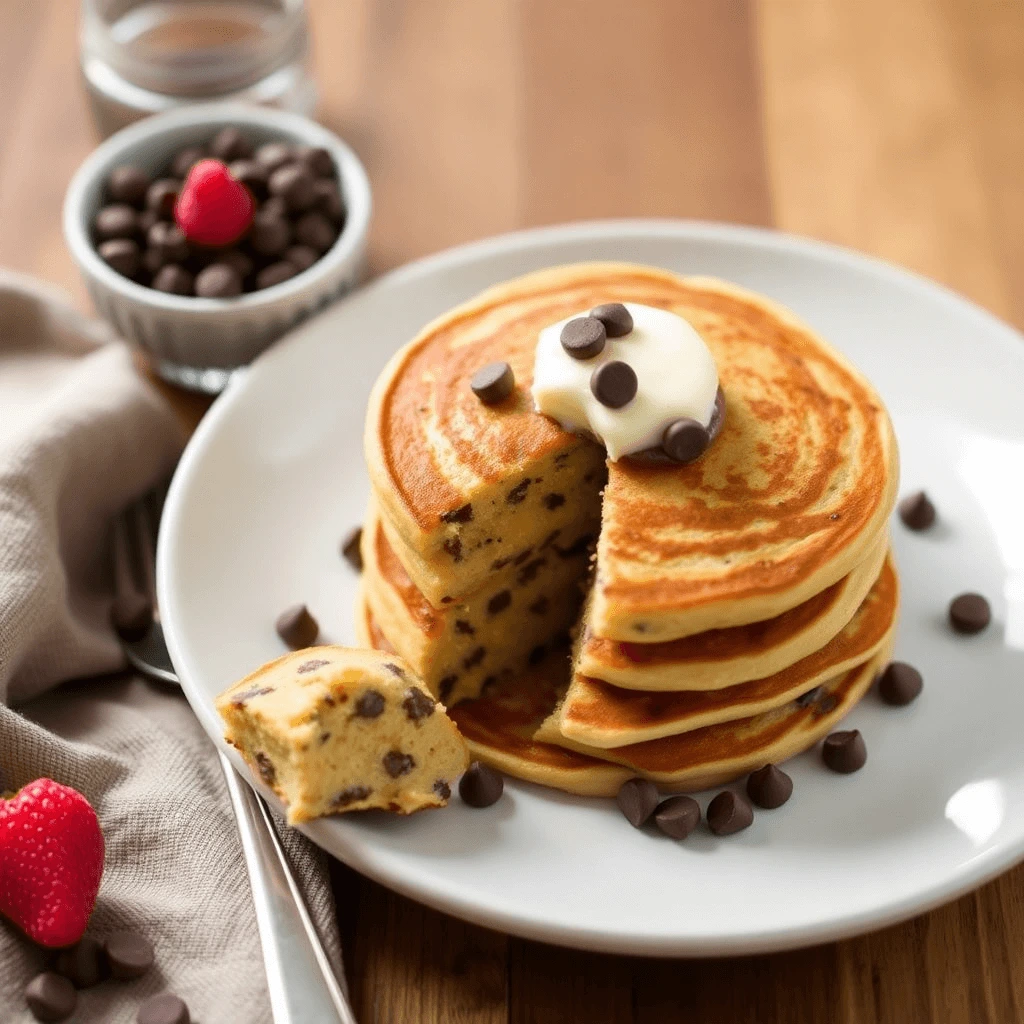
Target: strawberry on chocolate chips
213,208
51,862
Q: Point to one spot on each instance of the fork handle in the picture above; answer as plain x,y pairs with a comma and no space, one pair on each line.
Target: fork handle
302,984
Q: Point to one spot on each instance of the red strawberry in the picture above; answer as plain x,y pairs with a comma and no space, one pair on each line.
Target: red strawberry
213,208
51,861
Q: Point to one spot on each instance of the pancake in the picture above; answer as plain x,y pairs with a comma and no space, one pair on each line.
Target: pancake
501,629
721,658
720,753
501,729
598,714
785,503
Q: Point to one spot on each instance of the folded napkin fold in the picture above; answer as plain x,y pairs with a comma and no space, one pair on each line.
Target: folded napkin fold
82,435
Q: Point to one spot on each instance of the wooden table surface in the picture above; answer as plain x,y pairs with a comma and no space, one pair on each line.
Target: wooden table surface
893,126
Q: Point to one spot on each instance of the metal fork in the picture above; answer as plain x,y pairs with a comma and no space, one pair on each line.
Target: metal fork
302,984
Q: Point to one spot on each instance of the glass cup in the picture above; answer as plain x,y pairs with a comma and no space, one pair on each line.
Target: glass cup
141,57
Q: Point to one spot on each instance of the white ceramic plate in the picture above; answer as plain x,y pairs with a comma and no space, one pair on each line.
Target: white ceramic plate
274,477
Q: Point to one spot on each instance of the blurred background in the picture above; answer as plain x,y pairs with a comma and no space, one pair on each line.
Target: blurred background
893,126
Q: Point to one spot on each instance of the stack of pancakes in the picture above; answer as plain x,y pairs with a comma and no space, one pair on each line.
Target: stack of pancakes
733,609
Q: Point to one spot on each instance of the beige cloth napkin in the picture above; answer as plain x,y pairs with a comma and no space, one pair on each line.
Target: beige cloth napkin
82,435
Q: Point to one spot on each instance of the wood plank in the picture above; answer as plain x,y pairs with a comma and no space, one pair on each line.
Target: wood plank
654,116
406,963
48,135
867,136
548,985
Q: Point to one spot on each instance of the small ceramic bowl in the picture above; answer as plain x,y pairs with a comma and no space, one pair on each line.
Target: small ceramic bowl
198,342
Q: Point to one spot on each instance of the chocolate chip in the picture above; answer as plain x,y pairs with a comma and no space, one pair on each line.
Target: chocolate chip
685,440
453,546
275,206
351,548
584,337
269,234
553,501
174,280
540,606
185,160
728,813
147,218
51,997
230,144
462,514
235,258
370,704
550,539
116,221
272,155
316,231
251,174
395,670
165,1008
522,556
844,751
807,699
84,964
317,159
162,195
518,493
969,613
617,320
614,384
268,773
637,799
276,273
481,785
396,763
294,184
537,655
769,787
826,703
677,816
474,659
529,572
417,704
296,627
917,511
445,687
311,666
301,257
122,254
328,200
899,684
130,954
218,281
499,602
239,699
350,795
493,383
442,789
128,184
168,242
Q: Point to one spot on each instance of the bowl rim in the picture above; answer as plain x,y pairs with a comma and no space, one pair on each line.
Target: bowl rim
348,247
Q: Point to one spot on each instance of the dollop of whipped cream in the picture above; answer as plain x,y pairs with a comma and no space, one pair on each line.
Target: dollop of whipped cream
676,378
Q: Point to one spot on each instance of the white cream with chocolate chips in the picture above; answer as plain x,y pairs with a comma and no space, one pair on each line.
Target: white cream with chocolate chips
674,371
334,729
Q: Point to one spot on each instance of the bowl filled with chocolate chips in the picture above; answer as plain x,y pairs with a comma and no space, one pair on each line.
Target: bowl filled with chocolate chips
204,234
